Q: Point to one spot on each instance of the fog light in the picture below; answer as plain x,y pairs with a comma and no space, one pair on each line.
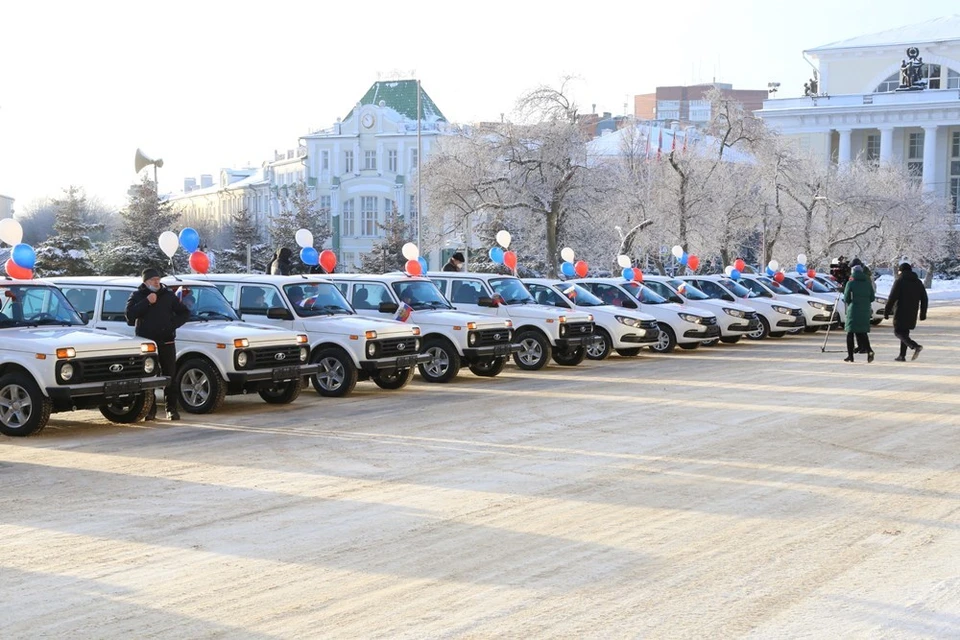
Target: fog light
149,365
66,372
242,359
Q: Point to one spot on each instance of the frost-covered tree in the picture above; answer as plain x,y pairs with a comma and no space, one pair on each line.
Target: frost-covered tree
70,251
299,211
386,254
243,235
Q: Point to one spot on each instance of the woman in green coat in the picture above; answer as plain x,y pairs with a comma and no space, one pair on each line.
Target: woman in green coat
858,295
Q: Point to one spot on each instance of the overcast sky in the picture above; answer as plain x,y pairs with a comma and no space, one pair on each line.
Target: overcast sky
209,84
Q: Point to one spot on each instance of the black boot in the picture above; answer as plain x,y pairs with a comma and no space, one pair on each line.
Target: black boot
170,400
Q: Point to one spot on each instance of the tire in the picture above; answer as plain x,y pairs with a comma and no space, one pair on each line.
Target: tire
488,368
667,340
445,363
762,331
876,321
24,410
689,346
710,343
777,334
811,329
281,392
395,379
600,350
129,410
730,339
797,331
629,353
200,386
535,352
571,358
337,376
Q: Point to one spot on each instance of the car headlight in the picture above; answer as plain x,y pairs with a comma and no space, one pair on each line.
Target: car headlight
304,354
240,343
563,330
66,352
689,317
630,322
302,339
736,313
66,372
371,349
242,359
472,338
149,364
881,300
416,345
817,305
784,310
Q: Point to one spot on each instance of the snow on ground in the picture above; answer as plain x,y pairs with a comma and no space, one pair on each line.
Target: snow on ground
941,289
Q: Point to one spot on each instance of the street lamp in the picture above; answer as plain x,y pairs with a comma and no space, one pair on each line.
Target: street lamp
772,88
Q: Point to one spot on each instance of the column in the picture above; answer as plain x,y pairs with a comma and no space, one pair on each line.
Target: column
844,151
886,145
929,158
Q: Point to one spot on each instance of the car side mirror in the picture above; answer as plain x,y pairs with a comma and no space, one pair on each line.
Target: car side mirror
484,301
279,313
630,304
728,297
388,307
676,298
86,316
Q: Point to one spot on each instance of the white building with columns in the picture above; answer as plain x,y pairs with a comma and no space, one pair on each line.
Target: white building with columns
861,110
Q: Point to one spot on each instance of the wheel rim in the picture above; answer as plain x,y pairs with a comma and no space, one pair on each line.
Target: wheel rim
756,333
597,349
331,374
439,363
15,406
530,351
663,341
195,387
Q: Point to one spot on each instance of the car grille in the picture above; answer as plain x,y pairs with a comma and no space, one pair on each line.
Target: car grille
109,368
487,337
649,324
711,320
796,312
579,329
750,315
269,357
393,347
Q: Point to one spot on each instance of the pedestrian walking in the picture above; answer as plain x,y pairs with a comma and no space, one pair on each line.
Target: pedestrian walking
156,312
455,263
858,294
861,348
907,298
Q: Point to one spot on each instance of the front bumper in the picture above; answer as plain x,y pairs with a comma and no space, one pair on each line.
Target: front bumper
276,374
745,327
704,332
792,323
394,363
109,389
576,341
491,351
647,337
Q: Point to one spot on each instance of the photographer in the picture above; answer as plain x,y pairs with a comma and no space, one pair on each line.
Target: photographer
840,270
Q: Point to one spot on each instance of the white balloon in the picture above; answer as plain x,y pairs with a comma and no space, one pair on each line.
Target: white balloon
802,258
304,238
168,242
10,231
774,265
567,254
503,238
410,251
728,271
677,251
623,261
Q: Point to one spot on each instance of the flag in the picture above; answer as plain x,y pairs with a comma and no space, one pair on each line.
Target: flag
659,142
403,312
673,145
646,153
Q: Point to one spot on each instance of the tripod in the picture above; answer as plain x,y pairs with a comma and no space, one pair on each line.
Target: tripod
836,307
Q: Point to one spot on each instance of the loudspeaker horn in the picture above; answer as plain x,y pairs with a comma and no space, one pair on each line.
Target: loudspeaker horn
142,160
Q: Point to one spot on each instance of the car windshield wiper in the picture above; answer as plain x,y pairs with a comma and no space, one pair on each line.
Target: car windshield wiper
331,309
50,321
205,315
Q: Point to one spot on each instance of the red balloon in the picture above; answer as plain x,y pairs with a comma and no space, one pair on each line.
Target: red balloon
693,262
739,265
637,275
199,262
580,268
17,272
811,273
778,276
328,260
414,268
510,259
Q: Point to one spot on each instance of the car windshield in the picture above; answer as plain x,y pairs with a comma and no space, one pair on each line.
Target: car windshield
792,285
815,285
421,294
829,285
317,299
578,295
512,291
34,306
643,294
739,290
687,290
205,303
775,286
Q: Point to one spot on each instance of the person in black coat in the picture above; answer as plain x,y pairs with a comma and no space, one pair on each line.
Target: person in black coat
157,313
454,263
281,264
907,297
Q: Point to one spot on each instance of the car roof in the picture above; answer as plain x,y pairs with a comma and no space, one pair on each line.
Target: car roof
393,276
265,278
468,274
546,281
125,281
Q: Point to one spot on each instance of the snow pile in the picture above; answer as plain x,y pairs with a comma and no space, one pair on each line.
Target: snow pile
940,290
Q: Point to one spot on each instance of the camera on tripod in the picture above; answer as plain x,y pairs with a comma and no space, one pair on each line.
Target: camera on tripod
840,270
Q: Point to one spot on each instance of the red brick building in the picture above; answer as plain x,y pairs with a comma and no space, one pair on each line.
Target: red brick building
689,104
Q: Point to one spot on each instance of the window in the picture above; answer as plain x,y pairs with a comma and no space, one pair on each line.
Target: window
954,174
368,215
324,209
324,161
369,295
465,291
955,145
953,79
115,305
873,148
348,222
915,155
254,300
228,291
389,209
935,75
350,260
413,160
370,160
348,161
392,160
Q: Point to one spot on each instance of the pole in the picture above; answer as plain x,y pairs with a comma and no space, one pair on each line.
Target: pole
419,153
763,240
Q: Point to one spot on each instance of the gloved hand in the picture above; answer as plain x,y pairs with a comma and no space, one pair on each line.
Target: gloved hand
923,316
886,317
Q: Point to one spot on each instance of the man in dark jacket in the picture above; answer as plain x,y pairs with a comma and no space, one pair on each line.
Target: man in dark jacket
281,264
907,297
454,263
157,313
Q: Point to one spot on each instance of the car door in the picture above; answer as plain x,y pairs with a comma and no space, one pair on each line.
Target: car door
111,312
465,294
84,300
367,296
547,296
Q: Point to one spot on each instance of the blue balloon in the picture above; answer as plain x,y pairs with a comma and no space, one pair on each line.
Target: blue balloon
496,255
189,240
684,258
423,265
568,269
801,269
770,272
734,274
24,256
310,256
628,273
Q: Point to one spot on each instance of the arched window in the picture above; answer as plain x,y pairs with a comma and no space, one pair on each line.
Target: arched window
935,75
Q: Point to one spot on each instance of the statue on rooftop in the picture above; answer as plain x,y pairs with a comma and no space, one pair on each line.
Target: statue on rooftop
911,71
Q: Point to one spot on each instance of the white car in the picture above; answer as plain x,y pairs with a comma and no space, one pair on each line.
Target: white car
680,325
218,354
625,331
776,316
817,313
50,362
346,346
450,337
735,320
541,331
813,288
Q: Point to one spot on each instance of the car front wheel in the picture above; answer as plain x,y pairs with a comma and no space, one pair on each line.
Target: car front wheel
24,410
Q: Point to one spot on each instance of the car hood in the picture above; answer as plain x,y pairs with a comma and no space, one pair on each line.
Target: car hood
87,342
687,308
447,317
614,310
541,312
358,325
713,303
225,331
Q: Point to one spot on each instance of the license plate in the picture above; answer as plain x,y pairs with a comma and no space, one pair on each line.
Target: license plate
285,373
501,350
713,331
406,361
121,387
